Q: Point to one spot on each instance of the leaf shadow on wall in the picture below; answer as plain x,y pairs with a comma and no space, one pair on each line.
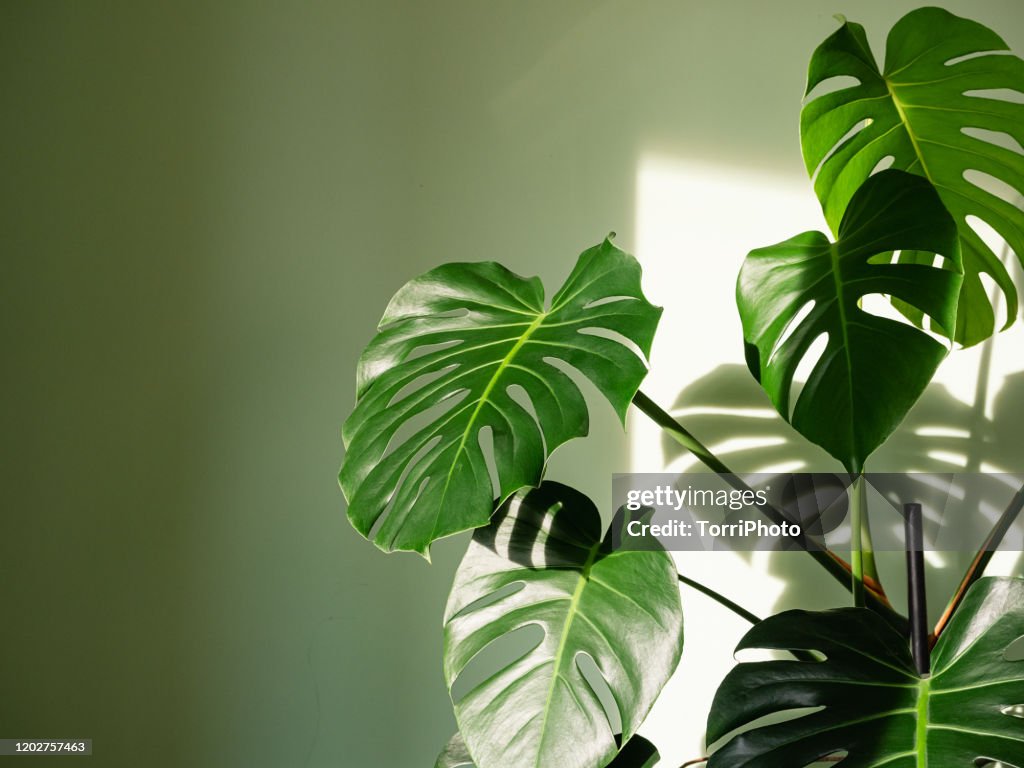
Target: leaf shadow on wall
730,413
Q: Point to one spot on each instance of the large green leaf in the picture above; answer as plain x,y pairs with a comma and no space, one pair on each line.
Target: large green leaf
542,562
638,753
924,110
869,700
454,348
873,368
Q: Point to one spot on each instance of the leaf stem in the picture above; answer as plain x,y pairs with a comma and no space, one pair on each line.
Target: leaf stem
981,559
740,611
857,515
830,561
680,434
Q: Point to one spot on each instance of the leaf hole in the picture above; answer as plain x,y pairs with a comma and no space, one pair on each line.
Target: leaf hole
974,55
997,94
772,718
796,321
607,300
994,186
494,597
934,260
583,384
883,165
831,85
485,438
755,655
992,289
881,305
1014,710
1015,650
425,349
988,234
496,657
457,312
805,369
599,686
522,398
845,139
420,382
998,138
416,422
399,494
884,257
607,333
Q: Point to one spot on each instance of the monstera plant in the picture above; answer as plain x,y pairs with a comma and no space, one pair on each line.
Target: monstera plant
473,380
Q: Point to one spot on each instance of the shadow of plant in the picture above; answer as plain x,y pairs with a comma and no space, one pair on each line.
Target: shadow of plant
730,413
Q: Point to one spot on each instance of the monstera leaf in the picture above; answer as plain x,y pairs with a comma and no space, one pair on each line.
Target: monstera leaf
873,368
939,108
869,701
466,348
638,753
542,562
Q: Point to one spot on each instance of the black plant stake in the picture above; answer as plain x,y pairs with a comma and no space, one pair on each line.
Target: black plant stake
916,599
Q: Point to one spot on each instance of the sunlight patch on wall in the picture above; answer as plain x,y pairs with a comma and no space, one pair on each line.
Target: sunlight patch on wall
695,224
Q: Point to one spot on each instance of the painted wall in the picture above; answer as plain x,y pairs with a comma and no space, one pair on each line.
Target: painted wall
204,208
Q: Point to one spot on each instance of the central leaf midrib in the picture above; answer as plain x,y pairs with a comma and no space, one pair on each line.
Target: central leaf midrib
921,736
486,393
905,122
557,659
833,251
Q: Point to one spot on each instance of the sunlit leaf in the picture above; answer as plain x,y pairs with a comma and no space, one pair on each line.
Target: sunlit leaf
872,369
945,106
466,348
542,562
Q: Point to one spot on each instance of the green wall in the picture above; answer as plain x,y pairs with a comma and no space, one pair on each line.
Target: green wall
205,207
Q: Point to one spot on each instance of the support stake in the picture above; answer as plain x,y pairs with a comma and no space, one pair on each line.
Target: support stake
916,599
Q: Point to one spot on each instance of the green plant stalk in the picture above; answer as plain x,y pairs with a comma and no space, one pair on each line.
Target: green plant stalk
981,560
721,599
680,434
739,610
863,551
857,515
835,565
865,543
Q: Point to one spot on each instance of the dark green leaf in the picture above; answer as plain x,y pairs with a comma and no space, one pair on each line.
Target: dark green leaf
621,608
925,110
869,701
453,346
873,368
638,753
